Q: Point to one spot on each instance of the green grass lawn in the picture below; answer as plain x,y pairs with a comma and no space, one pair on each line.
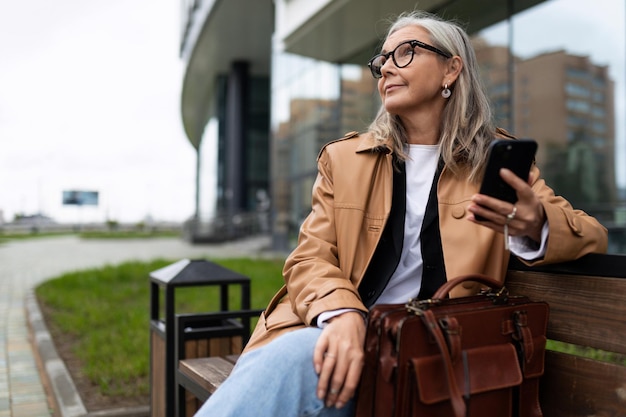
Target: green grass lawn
129,234
6,237
144,233
105,312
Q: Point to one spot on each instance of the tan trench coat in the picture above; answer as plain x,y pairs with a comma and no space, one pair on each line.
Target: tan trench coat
350,205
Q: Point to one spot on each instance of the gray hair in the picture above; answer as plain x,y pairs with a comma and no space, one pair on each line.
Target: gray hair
466,126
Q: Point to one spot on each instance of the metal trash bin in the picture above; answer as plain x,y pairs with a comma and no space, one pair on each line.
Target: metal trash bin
163,349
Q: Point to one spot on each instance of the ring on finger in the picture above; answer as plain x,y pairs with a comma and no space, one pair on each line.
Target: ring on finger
511,215
334,391
329,355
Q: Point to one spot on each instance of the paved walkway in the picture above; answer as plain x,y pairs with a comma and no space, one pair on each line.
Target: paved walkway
24,264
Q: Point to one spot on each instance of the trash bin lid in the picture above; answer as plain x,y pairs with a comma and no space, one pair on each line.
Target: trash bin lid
196,272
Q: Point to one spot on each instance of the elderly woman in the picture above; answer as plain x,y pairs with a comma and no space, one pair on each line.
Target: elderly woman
394,215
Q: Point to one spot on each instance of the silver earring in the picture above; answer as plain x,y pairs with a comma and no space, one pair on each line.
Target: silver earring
446,92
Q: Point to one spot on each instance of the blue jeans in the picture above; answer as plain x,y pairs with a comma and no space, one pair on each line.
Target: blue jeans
277,379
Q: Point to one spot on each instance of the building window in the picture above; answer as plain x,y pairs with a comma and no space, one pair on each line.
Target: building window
577,90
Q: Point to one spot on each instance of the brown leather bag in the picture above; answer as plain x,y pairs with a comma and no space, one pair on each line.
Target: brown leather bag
464,357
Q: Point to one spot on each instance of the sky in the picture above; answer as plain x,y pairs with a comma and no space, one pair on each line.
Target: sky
90,100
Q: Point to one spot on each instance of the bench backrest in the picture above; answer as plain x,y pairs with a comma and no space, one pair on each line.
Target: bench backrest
587,301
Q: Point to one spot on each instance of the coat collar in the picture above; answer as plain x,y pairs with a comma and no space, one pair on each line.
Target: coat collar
369,144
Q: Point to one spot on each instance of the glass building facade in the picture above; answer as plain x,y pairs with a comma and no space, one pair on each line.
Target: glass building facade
265,89
554,72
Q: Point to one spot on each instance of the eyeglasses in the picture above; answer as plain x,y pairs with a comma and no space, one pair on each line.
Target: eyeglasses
402,56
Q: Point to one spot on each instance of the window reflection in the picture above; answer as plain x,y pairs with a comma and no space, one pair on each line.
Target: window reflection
314,102
566,60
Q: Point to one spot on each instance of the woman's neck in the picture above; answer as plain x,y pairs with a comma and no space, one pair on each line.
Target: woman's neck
422,130
421,135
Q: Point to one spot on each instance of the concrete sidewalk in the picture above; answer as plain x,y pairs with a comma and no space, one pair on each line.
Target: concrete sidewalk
23,265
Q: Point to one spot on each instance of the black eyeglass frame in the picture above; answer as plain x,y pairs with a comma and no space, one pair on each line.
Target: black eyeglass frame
376,73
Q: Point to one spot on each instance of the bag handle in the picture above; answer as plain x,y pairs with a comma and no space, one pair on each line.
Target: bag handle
445,289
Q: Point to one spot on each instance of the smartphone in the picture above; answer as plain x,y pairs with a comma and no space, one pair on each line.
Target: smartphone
517,155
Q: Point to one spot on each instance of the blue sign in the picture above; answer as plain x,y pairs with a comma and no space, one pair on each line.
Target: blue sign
80,198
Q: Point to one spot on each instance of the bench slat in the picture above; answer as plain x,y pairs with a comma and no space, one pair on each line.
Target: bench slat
577,387
207,373
232,358
584,310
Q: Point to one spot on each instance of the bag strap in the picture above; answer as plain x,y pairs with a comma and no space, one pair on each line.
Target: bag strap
456,398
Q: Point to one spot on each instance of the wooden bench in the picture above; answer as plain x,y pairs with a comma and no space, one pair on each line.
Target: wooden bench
587,300
202,376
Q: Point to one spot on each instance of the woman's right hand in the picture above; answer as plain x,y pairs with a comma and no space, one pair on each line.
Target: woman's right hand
338,358
527,214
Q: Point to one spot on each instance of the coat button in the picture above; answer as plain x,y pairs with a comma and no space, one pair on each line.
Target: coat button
458,212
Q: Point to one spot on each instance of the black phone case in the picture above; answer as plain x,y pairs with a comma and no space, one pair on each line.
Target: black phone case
516,155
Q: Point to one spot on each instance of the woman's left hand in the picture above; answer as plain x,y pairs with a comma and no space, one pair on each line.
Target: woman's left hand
525,218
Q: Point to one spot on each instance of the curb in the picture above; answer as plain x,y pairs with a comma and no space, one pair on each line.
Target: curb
66,399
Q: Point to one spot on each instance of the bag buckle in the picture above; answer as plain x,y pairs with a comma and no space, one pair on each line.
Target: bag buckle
418,307
498,296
